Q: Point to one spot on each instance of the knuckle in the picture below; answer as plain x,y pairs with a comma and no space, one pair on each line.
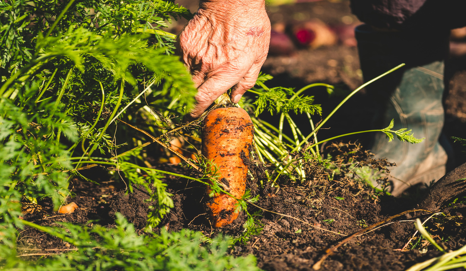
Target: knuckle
204,96
184,38
247,85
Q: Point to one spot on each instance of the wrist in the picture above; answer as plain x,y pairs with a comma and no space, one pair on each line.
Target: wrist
229,5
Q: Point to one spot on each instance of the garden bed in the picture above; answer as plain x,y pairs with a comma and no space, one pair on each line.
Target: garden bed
298,221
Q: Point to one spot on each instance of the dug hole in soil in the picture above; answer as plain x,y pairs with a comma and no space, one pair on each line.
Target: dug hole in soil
301,220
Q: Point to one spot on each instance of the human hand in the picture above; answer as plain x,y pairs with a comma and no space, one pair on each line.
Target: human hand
224,46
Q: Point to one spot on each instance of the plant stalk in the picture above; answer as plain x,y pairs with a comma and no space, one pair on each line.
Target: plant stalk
344,101
59,17
94,147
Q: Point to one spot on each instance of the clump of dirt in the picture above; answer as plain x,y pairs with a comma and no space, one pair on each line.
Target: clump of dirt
133,206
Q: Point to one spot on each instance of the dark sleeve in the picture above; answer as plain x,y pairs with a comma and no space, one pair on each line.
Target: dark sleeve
411,14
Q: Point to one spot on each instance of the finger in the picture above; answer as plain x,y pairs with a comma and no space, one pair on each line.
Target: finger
198,78
248,81
210,90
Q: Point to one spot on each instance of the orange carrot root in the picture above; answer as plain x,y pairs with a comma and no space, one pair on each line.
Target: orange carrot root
68,209
175,160
227,139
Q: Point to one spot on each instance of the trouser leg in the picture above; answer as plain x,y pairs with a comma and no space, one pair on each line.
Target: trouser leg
412,96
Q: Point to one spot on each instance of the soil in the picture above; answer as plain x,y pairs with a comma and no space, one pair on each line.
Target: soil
299,220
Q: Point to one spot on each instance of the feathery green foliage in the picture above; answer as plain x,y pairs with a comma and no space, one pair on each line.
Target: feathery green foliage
121,248
68,71
402,134
276,100
91,56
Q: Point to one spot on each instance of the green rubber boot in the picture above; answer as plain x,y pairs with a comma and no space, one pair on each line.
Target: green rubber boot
412,96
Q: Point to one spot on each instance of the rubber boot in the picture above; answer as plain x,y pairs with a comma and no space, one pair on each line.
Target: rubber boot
411,96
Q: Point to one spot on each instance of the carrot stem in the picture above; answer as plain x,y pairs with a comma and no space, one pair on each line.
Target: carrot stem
262,124
280,127
315,135
94,147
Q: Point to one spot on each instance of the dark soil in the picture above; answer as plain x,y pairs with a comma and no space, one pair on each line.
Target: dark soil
299,221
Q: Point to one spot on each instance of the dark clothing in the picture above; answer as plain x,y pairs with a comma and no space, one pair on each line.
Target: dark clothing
418,15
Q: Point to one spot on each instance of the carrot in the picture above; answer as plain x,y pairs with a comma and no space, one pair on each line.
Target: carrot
68,209
175,160
227,137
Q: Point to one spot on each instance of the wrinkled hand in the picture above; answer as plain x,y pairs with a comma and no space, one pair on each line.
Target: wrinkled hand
224,46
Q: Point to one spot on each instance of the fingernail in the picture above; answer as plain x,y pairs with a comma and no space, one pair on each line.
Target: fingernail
236,98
